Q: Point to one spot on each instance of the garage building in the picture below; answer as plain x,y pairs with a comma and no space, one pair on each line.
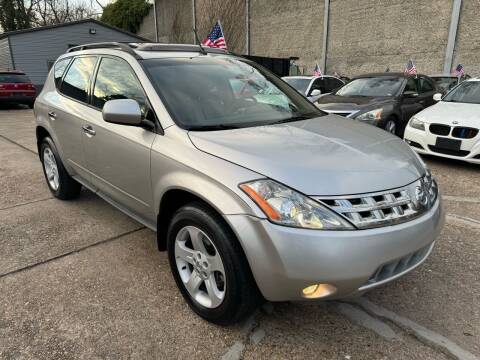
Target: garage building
35,50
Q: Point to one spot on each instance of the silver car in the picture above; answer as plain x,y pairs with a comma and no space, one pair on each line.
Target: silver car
254,192
314,87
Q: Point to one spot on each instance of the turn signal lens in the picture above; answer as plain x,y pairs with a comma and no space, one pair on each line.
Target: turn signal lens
318,291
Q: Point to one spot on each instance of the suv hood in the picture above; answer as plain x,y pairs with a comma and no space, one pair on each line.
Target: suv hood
352,103
328,155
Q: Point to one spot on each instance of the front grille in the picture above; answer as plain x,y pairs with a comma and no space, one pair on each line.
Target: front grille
398,266
459,153
388,207
439,129
464,132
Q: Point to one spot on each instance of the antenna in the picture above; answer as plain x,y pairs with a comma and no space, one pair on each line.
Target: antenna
202,50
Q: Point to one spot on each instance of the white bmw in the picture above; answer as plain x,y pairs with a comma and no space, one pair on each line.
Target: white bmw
449,128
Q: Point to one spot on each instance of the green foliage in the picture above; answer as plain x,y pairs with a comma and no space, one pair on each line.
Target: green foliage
15,14
126,14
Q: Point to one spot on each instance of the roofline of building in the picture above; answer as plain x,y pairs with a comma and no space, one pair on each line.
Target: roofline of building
48,27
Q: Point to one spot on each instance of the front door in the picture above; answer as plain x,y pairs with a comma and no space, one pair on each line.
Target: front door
410,104
118,156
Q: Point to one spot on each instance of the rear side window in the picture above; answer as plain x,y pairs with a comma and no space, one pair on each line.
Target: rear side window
116,80
425,85
76,80
333,84
59,70
14,78
411,85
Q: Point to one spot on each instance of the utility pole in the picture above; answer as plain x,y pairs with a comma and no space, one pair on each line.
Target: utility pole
155,19
194,20
452,36
326,16
247,27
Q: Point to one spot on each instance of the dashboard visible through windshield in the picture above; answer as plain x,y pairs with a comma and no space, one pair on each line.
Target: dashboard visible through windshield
221,92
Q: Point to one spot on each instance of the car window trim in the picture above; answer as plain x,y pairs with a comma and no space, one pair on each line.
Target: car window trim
158,126
69,58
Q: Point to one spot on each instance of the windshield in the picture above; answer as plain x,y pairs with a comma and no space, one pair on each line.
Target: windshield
14,78
380,86
466,92
299,84
220,92
446,83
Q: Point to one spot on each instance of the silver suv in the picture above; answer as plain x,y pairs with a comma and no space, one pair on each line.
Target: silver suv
254,192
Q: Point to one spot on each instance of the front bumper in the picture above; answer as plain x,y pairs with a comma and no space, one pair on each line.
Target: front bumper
425,139
285,260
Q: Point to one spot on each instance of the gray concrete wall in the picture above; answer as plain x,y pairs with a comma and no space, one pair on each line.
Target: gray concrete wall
284,28
33,50
175,22
364,35
467,50
5,57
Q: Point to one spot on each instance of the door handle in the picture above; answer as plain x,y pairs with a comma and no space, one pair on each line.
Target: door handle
88,130
52,115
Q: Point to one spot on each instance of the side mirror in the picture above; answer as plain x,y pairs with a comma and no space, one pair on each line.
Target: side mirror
410,94
437,97
123,112
315,92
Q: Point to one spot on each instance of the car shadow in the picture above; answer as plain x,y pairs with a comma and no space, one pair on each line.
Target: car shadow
453,164
13,107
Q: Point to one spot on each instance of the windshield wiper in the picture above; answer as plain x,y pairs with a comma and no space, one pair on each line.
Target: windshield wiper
295,118
214,127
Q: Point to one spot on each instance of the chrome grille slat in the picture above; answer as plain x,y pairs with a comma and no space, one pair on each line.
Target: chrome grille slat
383,208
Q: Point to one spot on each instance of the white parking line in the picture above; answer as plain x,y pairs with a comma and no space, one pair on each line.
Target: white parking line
461,199
464,220
420,332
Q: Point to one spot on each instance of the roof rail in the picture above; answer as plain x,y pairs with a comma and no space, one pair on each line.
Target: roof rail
177,47
106,45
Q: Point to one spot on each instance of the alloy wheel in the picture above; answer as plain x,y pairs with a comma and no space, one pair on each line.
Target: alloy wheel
51,168
200,267
391,127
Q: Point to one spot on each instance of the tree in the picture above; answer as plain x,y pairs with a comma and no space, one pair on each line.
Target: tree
25,14
126,14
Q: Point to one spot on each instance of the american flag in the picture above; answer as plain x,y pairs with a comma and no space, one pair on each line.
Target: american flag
459,71
317,72
410,69
216,39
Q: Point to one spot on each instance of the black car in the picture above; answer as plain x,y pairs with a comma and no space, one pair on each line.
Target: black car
386,100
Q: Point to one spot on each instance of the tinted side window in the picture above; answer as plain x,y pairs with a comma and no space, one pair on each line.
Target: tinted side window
75,83
318,84
116,80
60,68
425,85
411,85
333,84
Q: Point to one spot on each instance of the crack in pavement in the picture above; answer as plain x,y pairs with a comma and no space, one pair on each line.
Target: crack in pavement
15,143
464,220
71,252
461,199
26,203
424,335
251,333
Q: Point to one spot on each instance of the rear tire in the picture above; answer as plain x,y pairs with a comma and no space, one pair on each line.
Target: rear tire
235,294
60,183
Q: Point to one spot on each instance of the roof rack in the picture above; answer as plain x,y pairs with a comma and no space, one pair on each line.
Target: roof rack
106,45
177,47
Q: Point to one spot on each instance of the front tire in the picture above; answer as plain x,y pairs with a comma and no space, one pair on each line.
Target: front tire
209,266
391,126
60,183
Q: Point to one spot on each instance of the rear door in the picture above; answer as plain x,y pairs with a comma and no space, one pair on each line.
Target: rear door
118,156
426,90
67,107
410,104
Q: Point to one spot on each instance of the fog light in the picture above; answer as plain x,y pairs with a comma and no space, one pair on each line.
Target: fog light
318,291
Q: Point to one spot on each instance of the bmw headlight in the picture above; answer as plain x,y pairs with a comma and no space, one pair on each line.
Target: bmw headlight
285,206
417,124
371,116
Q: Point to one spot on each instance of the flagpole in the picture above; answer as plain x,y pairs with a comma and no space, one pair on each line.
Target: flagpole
220,24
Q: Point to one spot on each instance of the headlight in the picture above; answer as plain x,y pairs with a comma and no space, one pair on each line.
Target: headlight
373,115
417,124
285,206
